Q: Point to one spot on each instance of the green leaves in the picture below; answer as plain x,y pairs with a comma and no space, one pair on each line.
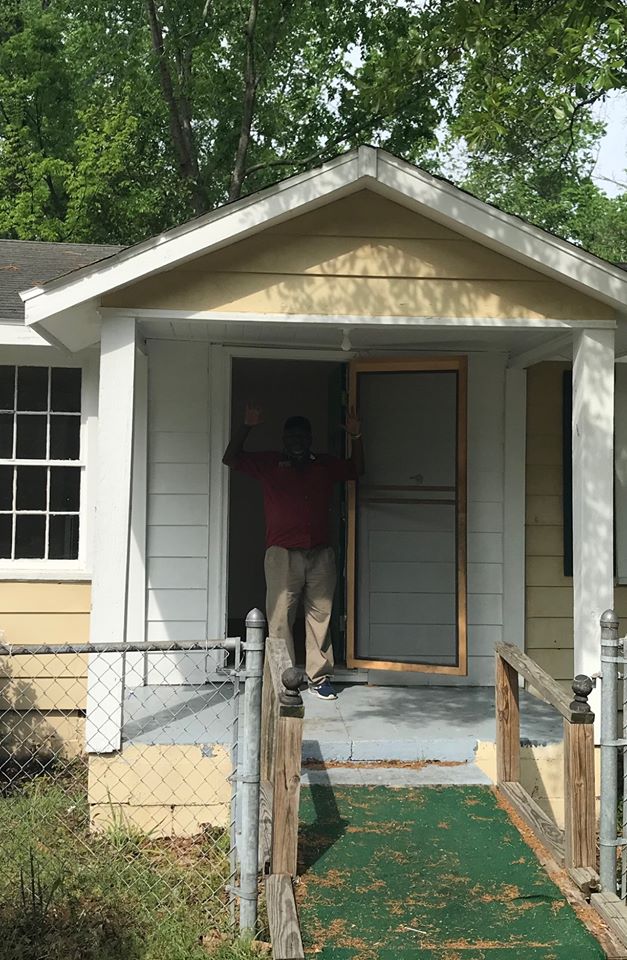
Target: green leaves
87,147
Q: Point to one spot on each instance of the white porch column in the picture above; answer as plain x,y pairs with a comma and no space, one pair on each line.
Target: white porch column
593,493
137,663
103,732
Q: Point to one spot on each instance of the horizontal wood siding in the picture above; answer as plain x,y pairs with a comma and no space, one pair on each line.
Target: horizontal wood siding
486,444
36,613
178,498
548,593
360,255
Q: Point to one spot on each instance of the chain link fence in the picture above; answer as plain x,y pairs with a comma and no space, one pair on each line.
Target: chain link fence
133,852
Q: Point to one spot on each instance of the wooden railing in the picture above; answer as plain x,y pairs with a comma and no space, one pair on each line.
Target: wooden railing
282,714
575,846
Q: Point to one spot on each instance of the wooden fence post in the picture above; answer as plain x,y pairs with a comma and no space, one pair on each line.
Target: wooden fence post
267,723
507,723
286,782
579,783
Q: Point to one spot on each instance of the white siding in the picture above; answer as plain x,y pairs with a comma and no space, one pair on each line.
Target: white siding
486,464
178,499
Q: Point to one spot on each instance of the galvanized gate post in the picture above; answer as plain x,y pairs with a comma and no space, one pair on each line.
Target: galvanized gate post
609,722
248,778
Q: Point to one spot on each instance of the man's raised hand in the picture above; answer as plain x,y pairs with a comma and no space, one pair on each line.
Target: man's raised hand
253,415
353,423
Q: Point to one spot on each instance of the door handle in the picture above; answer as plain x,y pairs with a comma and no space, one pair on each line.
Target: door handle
418,477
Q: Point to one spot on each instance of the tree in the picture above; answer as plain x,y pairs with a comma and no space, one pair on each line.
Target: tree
164,108
524,77
120,118
529,84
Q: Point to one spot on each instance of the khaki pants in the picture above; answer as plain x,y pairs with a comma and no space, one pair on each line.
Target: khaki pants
310,573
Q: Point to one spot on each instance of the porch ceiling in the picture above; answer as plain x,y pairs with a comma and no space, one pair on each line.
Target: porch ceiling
329,336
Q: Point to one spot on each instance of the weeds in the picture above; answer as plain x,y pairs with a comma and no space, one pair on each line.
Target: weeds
67,893
36,899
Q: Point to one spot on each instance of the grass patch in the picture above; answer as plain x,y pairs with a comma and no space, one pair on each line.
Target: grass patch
69,894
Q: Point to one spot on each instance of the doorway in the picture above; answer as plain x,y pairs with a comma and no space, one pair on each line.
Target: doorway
406,606
315,389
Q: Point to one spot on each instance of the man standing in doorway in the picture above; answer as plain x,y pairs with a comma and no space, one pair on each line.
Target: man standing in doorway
297,488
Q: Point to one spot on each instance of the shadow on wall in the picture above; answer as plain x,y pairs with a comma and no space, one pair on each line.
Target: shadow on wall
30,743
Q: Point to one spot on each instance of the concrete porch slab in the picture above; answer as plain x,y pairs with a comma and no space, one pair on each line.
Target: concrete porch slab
179,715
364,723
415,723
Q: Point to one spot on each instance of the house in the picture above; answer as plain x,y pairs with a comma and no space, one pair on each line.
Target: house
366,280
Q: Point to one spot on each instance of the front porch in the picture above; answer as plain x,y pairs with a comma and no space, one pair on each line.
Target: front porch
365,723
395,736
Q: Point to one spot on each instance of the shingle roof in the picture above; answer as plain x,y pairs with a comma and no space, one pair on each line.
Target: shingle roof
27,263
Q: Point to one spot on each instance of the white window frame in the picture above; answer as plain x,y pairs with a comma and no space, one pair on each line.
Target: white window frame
87,362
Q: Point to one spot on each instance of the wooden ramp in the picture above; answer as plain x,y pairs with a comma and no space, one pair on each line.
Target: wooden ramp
436,873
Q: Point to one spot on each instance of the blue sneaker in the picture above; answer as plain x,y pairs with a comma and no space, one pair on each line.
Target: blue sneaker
323,690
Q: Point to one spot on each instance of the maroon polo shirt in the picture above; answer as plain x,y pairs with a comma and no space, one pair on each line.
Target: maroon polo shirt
296,500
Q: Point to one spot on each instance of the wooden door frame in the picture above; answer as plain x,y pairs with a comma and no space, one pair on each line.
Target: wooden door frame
459,365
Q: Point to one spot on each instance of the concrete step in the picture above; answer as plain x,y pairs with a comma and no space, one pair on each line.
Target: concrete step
429,775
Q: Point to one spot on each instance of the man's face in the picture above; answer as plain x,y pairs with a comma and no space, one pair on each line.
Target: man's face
297,442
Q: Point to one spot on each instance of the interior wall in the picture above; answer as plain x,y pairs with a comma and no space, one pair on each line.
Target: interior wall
281,388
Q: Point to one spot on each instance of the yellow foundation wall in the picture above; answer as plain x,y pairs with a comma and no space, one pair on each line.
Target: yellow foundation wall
541,774
548,593
42,697
362,255
165,790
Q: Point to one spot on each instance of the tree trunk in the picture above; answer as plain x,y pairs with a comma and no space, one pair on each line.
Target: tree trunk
179,115
248,108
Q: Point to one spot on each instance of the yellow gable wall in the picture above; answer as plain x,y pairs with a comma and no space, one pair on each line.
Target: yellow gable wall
360,255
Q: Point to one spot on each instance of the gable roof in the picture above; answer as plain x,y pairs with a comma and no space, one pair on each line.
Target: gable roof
57,309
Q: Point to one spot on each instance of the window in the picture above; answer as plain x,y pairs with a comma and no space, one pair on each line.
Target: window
40,468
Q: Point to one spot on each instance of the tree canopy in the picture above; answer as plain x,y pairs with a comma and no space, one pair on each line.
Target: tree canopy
120,118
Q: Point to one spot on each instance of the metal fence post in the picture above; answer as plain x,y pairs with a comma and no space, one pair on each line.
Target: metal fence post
609,723
248,778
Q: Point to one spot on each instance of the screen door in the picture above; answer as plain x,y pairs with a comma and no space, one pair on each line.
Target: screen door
406,579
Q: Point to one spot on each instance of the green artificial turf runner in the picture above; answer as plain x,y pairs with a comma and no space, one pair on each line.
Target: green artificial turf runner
438,873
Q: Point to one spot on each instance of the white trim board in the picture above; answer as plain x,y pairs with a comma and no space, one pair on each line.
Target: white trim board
362,167
108,622
359,320
13,333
